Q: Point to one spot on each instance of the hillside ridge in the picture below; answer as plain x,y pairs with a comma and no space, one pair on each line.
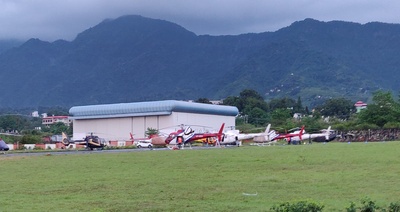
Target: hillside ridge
133,58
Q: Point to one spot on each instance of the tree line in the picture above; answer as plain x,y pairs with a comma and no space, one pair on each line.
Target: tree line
340,113
255,113
19,126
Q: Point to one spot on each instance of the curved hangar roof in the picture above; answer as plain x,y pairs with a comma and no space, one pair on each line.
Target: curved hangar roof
148,109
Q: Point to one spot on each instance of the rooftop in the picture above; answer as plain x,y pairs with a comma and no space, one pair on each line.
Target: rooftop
148,109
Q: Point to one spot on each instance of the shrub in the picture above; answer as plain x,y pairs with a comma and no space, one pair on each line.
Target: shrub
31,139
37,148
394,207
366,126
301,206
392,125
352,207
368,205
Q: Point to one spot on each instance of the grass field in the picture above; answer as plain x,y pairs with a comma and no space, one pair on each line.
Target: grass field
228,179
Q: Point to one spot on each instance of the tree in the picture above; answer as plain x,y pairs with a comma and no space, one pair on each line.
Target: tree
384,109
250,105
14,122
282,103
232,101
150,132
249,93
203,100
56,110
307,111
313,124
58,128
298,107
258,117
279,116
338,107
29,139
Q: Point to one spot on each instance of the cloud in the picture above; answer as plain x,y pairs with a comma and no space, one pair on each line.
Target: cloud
50,20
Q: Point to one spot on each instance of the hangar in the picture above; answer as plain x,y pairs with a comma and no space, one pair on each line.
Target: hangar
115,122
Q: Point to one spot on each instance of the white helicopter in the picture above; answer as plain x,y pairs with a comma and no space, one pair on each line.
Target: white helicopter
326,135
234,137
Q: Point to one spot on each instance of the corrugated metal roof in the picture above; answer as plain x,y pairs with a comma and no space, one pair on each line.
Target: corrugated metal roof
148,109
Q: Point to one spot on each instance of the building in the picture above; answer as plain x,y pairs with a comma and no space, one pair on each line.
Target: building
35,113
360,105
49,120
297,116
115,122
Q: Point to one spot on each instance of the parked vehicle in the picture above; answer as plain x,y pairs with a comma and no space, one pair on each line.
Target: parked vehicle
144,144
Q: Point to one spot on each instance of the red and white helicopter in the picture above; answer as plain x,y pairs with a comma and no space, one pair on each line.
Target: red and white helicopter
186,136
294,133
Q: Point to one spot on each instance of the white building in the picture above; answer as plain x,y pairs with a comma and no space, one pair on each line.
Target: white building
35,113
115,122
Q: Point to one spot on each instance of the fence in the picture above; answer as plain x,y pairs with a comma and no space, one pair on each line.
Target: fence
368,135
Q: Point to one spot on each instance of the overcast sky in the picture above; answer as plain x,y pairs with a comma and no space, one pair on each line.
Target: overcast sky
50,20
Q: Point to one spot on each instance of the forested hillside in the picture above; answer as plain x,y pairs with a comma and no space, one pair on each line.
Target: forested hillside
133,58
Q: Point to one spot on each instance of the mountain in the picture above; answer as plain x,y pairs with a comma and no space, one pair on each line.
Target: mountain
133,58
9,44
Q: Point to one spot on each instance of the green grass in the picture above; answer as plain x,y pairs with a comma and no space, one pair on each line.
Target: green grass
203,180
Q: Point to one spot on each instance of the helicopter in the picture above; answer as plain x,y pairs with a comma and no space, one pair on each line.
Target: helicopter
3,145
188,135
91,142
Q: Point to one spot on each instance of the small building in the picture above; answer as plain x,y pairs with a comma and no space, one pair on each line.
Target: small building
115,122
360,106
50,120
297,116
216,102
35,113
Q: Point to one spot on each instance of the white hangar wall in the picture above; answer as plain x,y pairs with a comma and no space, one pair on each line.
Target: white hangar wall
110,128
198,122
116,121
213,121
